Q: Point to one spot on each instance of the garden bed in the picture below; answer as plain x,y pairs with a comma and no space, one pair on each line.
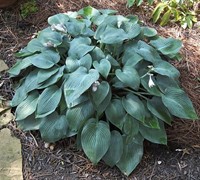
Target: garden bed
178,160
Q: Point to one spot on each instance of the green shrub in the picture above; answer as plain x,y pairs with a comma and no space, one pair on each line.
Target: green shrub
180,11
104,78
28,8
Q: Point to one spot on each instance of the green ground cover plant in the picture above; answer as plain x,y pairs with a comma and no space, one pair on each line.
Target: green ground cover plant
103,78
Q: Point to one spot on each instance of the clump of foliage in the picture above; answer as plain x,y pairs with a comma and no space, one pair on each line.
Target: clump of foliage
104,78
28,8
181,11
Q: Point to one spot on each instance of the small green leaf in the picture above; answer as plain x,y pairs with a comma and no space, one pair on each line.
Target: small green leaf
115,149
115,113
154,135
129,76
48,101
157,11
27,107
53,127
149,32
134,106
156,106
103,67
78,82
165,18
89,12
131,157
130,3
95,140
178,103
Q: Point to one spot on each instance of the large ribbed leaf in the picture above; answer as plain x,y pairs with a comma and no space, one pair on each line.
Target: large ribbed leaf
165,68
158,136
58,19
44,74
27,107
54,127
54,78
130,128
103,67
48,101
101,93
95,140
30,82
79,47
156,106
19,66
29,123
20,95
115,113
132,30
178,103
77,115
167,46
131,157
129,76
134,106
45,60
78,82
35,46
115,149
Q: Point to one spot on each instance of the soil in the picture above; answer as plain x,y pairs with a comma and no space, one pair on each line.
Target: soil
179,160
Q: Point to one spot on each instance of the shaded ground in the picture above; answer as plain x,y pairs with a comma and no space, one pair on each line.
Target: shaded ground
179,160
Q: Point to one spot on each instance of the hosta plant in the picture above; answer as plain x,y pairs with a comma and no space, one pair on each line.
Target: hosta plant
103,78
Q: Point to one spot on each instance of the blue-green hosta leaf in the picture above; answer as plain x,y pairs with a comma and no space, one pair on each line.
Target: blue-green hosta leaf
108,11
19,66
112,61
103,67
131,157
101,93
20,95
129,76
54,78
48,101
97,20
112,35
156,107
152,90
58,19
73,64
54,127
35,46
31,81
165,68
149,32
78,82
115,149
131,58
164,82
95,140
27,107
130,128
178,103
77,115
23,53
134,106
29,123
50,38
44,74
89,12
132,30
97,54
154,135
45,60
115,113
167,46
79,47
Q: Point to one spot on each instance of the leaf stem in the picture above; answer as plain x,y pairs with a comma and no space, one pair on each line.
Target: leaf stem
136,93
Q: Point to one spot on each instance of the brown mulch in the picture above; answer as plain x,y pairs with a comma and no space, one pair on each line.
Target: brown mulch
179,160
